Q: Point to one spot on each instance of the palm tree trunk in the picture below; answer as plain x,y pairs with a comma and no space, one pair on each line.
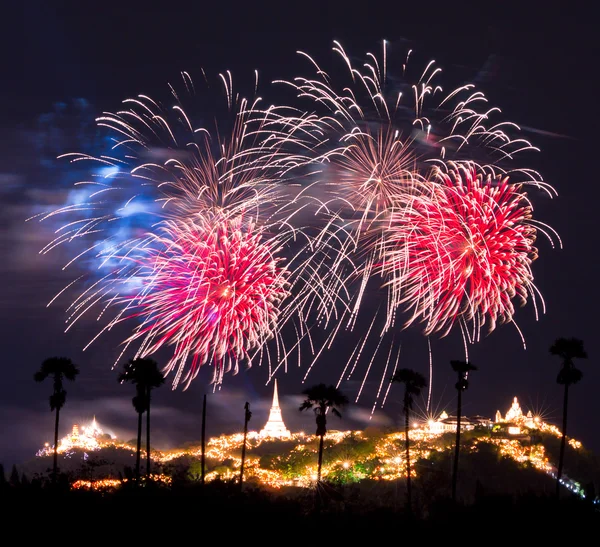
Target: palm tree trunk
247,415
407,444
148,437
563,441
139,448
243,454
320,464
55,461
203,457
457,447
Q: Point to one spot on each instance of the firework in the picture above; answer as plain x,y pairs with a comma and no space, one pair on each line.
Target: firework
210,238
375,137
211,288
395,159
185,229
463,251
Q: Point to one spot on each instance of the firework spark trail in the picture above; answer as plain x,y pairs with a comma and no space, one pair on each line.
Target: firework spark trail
464,251
372,187
208,275
381,147
374,149
212,291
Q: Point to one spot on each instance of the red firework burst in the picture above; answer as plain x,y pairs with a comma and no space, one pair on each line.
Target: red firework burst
462,252
210,289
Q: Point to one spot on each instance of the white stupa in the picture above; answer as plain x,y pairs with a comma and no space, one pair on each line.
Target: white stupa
275,426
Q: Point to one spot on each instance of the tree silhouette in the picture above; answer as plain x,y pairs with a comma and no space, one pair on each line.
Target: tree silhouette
25,480
413,384
567,349
59,368
14,480
462,368
90,464
152,379
203,457
145,375
247,416
322,398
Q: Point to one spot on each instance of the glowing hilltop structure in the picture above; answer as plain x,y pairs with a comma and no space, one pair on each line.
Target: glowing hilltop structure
91,437
386,461
446,423
515,419
275,427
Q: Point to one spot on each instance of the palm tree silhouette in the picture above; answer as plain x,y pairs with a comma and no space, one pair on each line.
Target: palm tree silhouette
567,349
322,398
59,368
145,375
247,416
462,368
413,384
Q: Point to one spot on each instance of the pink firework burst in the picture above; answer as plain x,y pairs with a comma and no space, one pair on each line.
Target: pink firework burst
210,290
372,170
463,252
182,227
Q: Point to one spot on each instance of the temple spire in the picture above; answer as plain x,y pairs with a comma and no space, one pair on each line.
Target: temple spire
275,396
275,426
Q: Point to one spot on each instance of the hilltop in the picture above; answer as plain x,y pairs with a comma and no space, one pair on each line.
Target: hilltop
513,455
491,461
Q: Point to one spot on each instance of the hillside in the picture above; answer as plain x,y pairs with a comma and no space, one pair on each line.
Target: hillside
491,461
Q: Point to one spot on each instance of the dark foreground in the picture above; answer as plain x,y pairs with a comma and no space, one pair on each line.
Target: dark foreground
220,512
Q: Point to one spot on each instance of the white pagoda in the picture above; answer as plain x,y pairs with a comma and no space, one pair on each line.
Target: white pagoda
275,427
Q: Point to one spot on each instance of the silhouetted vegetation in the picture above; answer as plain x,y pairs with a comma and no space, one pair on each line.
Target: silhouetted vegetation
501,495
357,497
59,369
322,398
247,416
413,384
145,375
462,369
567,349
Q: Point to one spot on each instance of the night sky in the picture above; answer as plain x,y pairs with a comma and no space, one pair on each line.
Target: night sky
65,62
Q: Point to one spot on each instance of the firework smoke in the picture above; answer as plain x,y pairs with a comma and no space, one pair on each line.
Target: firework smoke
202,275
373,185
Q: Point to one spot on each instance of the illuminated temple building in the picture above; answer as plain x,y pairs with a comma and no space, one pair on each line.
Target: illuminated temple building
510,433
90,437
275,427
446,423
513,421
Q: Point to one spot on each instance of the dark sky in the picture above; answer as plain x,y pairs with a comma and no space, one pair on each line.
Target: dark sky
536,64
